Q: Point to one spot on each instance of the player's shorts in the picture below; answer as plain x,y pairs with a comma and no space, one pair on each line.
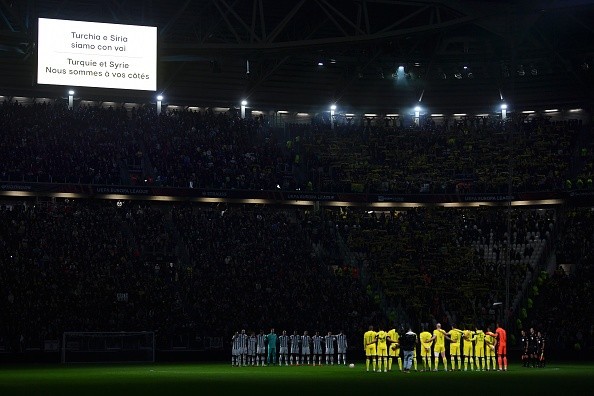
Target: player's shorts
305,351
371,350
479,351
329,351
235,352
490,351
251,352
382,350
283,350
261,350
341,350
243,351
394,352
437,349
295,351
468,350
454,349
502,349
425,351
317,351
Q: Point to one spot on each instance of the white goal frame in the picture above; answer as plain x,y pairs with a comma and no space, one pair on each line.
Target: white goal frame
149,347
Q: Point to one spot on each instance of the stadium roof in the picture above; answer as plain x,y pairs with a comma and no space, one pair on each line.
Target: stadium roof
305,54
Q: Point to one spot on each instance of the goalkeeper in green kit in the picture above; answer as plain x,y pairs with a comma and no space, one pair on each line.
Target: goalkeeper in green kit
271,338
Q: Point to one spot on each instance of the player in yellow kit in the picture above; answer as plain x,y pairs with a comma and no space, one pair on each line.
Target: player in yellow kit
394,349
490,343
382,349
426,343
468,338
439,347
455,335
479,349
370,347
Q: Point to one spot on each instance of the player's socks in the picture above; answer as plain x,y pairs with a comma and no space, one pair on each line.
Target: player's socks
400,363
385,359
499,362
465,363
471,364
453,361
332,360
367,364
374,364
415,363
436,364
445,363
390,364
505,363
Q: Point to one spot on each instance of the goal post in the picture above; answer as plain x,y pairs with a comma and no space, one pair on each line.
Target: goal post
108,347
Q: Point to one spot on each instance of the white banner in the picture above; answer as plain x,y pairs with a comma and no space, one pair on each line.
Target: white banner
102,55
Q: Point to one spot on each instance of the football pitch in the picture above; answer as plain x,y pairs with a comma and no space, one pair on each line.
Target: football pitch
221,379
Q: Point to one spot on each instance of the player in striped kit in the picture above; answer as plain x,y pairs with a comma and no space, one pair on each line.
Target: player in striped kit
236,350
316,342
329,342
261,348
251,349
295,339
341,340
305,352
243,344
283,351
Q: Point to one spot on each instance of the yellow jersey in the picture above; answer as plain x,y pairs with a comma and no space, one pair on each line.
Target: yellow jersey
425,336
480,338
439,337
369,338
381,338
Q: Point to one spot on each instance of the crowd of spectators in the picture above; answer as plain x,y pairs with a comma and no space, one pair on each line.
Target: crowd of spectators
208,150
475,156
454,259
561,308
254,267
203,149
107,266
49,143
76,267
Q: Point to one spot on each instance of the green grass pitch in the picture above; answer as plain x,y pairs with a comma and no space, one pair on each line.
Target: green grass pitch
221,379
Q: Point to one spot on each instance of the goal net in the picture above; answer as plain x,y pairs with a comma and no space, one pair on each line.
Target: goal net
108,347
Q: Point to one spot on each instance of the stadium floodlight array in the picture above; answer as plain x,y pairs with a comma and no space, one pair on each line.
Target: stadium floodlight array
108,347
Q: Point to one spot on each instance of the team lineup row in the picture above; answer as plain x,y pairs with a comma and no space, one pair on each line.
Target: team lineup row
261,349
483,349
480,348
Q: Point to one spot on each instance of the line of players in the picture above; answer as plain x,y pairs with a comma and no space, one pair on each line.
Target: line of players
261,349
483,349
533,346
